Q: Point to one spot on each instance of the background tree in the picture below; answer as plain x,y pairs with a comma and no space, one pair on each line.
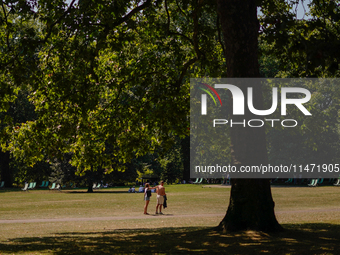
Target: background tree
172,164
19,111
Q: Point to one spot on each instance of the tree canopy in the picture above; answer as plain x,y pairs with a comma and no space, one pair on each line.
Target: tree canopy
108,81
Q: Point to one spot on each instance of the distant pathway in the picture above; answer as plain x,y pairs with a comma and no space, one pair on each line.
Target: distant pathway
110,218
154,216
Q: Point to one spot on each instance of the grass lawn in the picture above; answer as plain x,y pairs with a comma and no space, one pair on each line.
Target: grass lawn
112,221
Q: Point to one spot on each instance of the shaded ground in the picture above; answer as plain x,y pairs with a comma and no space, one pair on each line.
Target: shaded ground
297,239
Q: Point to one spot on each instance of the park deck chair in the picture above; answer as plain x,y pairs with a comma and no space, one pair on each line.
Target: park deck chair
98,186
313,184
321,181
2,184
225,181
290,180
53,186
46,184
71,185
34,184
196,181
94,185
337,183
31,185
275,180
200,181
42,184
25,188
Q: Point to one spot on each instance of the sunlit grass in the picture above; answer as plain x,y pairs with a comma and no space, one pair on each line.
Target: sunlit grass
112,221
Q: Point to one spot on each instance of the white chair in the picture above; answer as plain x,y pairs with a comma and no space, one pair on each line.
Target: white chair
26,187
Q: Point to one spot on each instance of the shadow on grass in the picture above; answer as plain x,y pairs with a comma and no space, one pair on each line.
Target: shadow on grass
84,191
5,190
297,239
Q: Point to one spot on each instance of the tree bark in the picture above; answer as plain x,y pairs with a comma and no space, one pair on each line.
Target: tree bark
6,173
185,151
251,205
89,177
90,187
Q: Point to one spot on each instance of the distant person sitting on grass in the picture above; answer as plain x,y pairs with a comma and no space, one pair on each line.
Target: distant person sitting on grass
141,189
160,197
133,190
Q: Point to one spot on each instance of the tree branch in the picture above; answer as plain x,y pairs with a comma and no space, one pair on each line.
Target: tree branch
168,26
7,36
184,70
180,9
58,21
131,13
219,34
195,36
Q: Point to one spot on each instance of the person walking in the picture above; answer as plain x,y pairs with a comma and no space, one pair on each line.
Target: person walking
160,197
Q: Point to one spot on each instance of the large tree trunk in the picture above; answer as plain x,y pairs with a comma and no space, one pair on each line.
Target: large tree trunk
6,173
185,151
90,187
251,205
89,177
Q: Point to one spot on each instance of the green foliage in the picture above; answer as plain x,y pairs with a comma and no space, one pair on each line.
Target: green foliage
109,79
172,164
304,48
107,82
37,173
307,47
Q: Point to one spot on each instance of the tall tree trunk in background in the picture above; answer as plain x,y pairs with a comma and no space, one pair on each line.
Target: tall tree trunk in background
185,153
6,174
90,187
90,181
251,205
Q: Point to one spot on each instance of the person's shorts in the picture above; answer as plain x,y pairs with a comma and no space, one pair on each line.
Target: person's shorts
146,198
160,199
